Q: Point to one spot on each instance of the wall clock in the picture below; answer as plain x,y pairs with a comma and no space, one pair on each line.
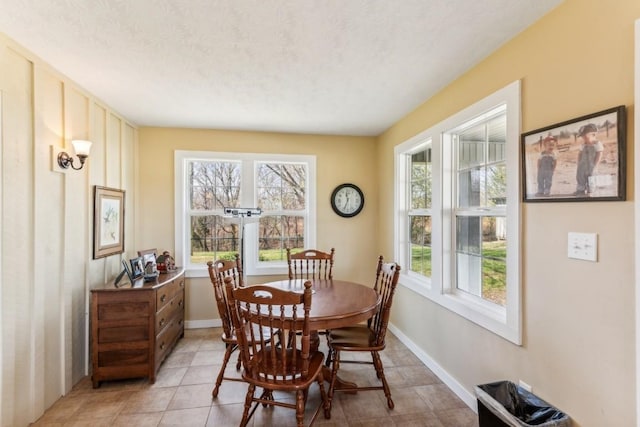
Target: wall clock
347,200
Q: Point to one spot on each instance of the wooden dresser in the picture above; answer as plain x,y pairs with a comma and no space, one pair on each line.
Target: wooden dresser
134,327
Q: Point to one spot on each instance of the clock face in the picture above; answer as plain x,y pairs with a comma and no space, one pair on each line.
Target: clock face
347,200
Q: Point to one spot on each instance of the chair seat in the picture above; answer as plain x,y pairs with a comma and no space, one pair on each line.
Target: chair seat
293,370
353,338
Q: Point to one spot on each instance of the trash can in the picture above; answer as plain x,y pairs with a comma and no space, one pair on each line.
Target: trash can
505,404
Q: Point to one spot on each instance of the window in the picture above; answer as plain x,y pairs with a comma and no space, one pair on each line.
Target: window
458,209
282,186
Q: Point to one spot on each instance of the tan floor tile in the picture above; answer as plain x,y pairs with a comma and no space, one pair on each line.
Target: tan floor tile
193,417
423,419
225,415
462,417
138,420
208,357
169,377
373,422
204,374
179,359
440,398
63,409
150,400
191,396
363,405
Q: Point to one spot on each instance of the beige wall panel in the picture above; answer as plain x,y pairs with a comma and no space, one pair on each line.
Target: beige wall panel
45,222
49,210
17,239
128,157
339,160
98,271
578,349
113,153
77,196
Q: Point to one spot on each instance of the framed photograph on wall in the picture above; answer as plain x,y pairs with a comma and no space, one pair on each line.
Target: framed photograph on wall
578,160
108,222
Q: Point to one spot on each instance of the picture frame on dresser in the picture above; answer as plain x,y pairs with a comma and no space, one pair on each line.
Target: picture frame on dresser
108,221
137,267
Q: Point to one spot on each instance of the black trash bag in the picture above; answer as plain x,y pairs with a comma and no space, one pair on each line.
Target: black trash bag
517,406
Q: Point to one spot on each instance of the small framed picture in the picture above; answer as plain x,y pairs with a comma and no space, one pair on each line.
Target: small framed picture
108,222
579,160
128,271
137,267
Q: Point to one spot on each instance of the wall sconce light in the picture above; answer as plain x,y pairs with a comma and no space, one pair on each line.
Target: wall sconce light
82,148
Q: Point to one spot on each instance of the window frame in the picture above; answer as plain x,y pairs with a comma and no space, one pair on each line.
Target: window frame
441,287
248,198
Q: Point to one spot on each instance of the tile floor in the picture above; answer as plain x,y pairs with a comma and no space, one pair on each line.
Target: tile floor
181,395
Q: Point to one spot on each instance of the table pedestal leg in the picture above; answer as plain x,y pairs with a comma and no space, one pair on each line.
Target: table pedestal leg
326,372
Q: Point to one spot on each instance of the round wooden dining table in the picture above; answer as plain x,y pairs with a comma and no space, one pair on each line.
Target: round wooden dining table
335,303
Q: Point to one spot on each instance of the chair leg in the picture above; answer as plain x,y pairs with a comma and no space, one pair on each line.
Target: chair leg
330,352
377,362
323,396
300,400
334,375
247,405
227,356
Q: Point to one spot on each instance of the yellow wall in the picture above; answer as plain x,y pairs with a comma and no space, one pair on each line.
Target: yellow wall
339,159
579,342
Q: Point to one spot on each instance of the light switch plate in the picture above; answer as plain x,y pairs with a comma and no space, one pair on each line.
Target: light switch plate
583,246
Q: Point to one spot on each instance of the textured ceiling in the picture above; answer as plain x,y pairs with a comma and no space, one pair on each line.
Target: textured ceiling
346,67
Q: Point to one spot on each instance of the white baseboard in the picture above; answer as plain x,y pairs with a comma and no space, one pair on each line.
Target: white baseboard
198,324
465,395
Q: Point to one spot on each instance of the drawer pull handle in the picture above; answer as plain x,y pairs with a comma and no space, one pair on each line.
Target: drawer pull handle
162,346
162,322
163,298
180,303
180,322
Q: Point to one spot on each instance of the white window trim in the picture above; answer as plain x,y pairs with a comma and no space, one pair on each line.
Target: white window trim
248,199
440,288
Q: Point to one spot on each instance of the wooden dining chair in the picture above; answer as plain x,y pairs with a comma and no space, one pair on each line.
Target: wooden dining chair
230,268
369,337
267,364
218,271
310,264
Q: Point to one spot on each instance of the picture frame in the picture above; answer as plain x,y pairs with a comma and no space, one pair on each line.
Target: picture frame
149,256
128,270
108,222
137,267
578,160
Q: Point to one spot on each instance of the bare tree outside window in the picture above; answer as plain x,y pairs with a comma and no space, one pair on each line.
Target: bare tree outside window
281,190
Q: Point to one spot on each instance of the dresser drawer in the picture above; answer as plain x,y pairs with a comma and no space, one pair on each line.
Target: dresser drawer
168,291
167,338
168,311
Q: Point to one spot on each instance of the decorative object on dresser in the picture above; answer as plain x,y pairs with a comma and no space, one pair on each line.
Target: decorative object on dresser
166,262
134,329
108,222
150,264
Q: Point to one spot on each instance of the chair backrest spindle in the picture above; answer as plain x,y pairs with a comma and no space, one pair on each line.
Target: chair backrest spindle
310,264
387,275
